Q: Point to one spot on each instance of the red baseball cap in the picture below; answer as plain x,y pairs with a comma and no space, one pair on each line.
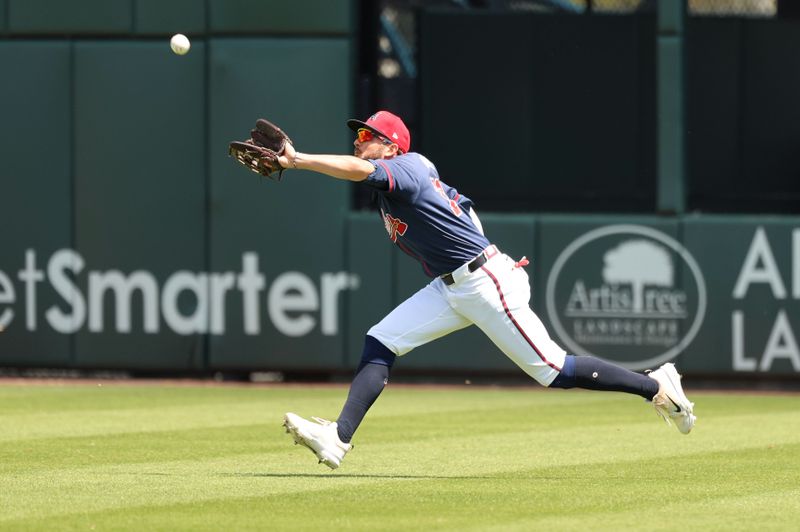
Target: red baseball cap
387,125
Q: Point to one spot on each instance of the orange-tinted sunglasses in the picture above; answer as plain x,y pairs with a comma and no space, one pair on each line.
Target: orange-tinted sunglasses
365,135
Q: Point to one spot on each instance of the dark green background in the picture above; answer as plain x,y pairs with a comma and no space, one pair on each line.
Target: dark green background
116,148
36,208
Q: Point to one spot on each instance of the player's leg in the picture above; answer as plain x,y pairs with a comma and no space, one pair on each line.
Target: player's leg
372,375
502,311
423,317
496,299
662,386
331,441
593,373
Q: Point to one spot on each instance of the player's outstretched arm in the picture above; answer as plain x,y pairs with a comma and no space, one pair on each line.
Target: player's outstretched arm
346,167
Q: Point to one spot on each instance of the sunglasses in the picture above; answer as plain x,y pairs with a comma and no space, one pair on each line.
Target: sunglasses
365,135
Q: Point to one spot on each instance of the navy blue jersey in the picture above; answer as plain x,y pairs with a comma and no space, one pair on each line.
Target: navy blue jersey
426,218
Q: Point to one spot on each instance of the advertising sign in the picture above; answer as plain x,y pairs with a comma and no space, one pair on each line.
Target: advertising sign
626,293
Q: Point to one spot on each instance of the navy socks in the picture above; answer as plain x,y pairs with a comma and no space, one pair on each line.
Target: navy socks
366,387
578,372
594,374
371,377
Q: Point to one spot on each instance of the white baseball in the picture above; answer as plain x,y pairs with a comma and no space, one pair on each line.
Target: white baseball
180,44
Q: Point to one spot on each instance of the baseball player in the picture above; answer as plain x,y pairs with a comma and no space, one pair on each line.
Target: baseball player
473,282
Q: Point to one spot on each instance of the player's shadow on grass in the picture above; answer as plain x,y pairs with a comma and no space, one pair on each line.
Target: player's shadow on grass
346,475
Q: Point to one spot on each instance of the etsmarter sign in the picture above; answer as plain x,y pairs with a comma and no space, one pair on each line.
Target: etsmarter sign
100,300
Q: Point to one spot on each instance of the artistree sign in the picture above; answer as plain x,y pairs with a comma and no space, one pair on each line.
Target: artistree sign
626,293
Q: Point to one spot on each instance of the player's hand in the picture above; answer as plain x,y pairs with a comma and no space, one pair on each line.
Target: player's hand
287,158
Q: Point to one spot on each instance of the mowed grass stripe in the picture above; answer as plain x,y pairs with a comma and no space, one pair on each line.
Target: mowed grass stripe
603,496
122,409
115,395
765,511
501,449
132,446
621,442
64,492
500,440
223,407
36,455
123,437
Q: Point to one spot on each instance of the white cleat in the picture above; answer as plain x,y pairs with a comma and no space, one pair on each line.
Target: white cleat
670,402
320,436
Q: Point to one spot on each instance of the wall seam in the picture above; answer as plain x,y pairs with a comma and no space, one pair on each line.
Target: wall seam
73,222
206,347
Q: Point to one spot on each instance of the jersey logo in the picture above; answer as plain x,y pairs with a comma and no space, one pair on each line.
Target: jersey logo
453,203
394,226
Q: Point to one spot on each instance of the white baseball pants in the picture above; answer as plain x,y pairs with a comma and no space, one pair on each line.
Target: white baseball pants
495,297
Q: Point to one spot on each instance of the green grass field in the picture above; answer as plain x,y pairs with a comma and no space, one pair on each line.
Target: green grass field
160,457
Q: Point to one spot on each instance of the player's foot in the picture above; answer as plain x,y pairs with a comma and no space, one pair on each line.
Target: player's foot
670,401
320,436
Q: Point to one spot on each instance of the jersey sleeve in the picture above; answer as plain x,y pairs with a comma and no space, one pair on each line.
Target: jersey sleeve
397,176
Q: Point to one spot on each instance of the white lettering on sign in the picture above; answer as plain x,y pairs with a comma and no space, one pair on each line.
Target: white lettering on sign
250,282
66,322
197,285
761,268
7,296
221,283
782,344
332,285
760,252
30,276
292,292
796,263
122,288
188,302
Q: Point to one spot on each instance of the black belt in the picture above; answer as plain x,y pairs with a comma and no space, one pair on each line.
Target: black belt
479,261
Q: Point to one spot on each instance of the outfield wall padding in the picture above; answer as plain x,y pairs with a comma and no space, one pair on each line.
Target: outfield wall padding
130,240
36,209
146,200
49,17
294,227
192,17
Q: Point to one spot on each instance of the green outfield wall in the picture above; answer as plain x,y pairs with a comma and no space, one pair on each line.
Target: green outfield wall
130,240
138,243
717,294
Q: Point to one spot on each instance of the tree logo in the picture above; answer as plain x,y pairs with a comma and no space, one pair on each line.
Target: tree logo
626,293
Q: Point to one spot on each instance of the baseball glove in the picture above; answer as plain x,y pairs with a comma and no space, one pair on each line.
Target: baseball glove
260,152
